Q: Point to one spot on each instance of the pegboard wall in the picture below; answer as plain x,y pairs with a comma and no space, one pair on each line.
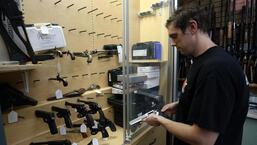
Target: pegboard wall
87,25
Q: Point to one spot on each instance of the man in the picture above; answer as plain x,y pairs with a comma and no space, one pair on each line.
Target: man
213,108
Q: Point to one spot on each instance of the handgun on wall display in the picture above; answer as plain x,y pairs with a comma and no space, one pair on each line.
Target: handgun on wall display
74,93
65,114
103,122
60,79
49,118
82,112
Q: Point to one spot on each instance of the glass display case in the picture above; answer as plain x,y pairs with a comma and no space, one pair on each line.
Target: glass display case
145,78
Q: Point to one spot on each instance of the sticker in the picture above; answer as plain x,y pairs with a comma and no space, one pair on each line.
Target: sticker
58,94
83,128
95,141
63,130
12,117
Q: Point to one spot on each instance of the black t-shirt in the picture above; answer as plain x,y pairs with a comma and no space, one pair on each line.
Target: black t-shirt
216,96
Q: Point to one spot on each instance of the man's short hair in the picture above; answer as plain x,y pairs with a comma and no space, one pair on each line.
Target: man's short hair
183,15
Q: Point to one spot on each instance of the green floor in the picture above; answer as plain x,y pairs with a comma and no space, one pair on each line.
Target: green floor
250,132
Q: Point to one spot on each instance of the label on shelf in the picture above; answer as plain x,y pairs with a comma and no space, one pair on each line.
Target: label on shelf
12,117
83,128
58,94
63,130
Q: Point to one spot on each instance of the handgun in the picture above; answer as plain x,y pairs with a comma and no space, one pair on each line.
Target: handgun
71,94
49,118
63,113
83,112
142,117
60,79
103,121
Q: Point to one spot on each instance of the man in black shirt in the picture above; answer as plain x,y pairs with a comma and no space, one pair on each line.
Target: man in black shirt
213,107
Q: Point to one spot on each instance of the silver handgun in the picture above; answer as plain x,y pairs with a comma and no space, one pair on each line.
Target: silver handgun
140,118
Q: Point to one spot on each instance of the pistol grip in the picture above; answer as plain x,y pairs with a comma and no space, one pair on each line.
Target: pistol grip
52,126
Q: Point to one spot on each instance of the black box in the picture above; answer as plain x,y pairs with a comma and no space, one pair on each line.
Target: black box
117,103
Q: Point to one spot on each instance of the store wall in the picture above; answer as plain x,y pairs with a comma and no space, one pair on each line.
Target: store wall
79,73
152,28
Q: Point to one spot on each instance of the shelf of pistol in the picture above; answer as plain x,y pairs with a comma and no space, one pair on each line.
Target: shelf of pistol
29,114
15,67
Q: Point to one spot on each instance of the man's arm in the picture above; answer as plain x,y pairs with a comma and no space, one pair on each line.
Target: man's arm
191,134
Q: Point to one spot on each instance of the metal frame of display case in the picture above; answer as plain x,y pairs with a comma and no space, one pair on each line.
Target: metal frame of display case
126,45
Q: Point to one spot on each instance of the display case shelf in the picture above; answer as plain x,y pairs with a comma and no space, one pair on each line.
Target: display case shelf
147,61
252,114
15,67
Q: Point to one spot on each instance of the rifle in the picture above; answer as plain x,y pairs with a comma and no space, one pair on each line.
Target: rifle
225,24
221,26
251,49
14,33
49,118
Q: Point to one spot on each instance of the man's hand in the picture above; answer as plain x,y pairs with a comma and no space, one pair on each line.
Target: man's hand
170,108
153,120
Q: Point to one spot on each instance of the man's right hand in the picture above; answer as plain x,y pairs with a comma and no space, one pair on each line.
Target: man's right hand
170,108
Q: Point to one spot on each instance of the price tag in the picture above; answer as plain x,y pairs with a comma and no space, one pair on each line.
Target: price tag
12,117
63,130
95,141
58,94
83,128
119,49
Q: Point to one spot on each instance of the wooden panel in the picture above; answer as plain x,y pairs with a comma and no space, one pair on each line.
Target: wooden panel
79,73
12,68
74,137
35,126
152,28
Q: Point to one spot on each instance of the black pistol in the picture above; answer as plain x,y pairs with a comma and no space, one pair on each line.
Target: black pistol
103,121
83,112
49,118
63,113
55,142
